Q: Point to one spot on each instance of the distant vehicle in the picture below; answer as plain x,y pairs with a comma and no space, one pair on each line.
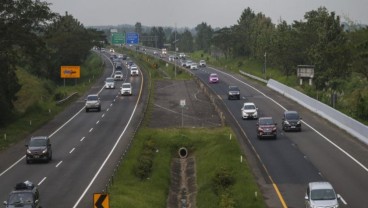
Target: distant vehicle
110,83
182,63
233,92
112,50
164,51
126,89
321,194
24,195
249,110
171,58
38,149
118,75
291,121
266,127
188,63
93,102
134,70
213,78
118,65
182,55
193,66
202,63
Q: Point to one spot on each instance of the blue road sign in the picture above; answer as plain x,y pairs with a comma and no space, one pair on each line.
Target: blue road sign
132,38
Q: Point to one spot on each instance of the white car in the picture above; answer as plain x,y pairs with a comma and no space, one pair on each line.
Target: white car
110,83
202,63
193,66
134,70
118,75
126,89
171,58
321,194
249,110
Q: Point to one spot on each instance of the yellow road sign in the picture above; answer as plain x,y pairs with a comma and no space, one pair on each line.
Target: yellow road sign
101,200
70,71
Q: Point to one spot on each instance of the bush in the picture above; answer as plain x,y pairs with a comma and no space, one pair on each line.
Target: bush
223,180
145,161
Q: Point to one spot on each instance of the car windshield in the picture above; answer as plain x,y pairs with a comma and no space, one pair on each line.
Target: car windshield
213,75
92,98
292,116
266,121
109,80
249,107
232,88
323,194
37,142
126,85
118,72
21,198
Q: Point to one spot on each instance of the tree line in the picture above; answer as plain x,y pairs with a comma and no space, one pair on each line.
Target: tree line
336,50
40,41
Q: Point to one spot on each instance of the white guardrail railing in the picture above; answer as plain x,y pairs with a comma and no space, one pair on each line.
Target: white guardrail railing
350,125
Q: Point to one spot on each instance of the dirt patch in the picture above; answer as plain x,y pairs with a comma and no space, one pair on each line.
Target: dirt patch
169,113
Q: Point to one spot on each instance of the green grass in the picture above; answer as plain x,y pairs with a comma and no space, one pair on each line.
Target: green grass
212,149
36,103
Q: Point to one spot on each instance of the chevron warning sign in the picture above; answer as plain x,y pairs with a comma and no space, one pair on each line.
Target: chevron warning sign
101,200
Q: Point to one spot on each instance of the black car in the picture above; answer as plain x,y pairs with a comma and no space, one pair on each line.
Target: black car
291,121
25,194
233,93
39,148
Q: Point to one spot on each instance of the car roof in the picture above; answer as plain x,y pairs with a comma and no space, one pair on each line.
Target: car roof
291,112
39,137
213,74
320,185
249,103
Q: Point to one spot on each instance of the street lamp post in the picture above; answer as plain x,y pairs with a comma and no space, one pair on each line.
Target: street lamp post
265,65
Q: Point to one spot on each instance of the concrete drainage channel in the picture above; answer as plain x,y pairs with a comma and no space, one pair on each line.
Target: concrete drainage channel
183,190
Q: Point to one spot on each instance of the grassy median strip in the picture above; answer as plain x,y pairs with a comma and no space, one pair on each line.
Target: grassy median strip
214,152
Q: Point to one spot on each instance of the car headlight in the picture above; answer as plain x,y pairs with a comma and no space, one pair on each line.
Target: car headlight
28,151
286,122
44,151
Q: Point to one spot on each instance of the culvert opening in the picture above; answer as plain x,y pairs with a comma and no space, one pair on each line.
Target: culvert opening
183,152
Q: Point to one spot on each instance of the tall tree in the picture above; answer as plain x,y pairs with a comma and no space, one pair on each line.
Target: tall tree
185,42
21,23
327,46
203,37
69,43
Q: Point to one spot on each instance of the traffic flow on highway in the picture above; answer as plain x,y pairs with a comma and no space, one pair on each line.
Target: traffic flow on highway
65,162
298,158
306,160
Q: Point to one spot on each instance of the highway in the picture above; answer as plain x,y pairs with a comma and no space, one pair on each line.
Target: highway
321,151
86,147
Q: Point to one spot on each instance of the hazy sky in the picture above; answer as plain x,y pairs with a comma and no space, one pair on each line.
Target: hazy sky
189,13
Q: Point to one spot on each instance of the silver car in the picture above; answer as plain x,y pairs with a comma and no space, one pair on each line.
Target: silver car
320,195
110,83
93,102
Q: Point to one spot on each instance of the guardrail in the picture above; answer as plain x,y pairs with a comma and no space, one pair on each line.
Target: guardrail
350,125
67,98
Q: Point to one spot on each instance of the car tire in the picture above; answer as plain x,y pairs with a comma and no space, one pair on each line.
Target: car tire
99,109
27,161
86,109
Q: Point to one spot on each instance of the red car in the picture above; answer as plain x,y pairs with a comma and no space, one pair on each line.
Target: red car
213,78
266,127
